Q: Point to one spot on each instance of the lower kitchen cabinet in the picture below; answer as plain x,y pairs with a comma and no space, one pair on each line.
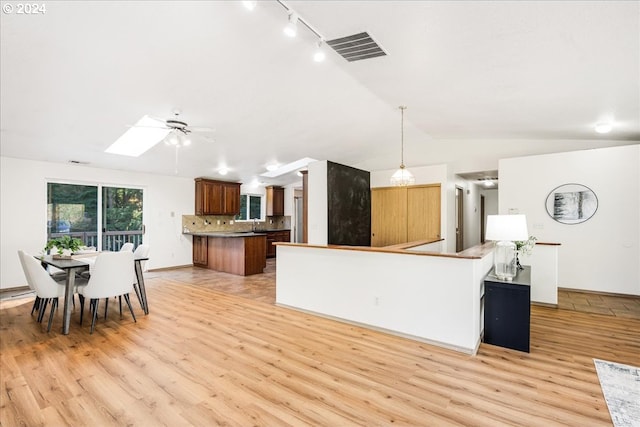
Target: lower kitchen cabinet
276,236
200,251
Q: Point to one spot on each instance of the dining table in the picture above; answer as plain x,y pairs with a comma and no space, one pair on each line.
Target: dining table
79,263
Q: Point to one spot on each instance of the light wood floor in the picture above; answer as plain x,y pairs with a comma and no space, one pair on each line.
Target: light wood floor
215,350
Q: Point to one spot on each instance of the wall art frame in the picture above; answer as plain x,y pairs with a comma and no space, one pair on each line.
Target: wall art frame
571,203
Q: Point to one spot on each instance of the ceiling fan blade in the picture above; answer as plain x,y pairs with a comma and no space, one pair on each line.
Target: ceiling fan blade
200,129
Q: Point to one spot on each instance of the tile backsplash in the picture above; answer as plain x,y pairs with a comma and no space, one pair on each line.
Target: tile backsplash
207,223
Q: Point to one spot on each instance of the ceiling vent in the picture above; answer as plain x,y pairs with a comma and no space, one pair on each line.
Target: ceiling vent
356,47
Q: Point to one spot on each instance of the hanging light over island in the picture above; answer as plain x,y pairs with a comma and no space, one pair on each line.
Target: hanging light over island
402,177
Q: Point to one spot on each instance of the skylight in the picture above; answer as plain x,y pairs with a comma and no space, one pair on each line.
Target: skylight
146,133
289,167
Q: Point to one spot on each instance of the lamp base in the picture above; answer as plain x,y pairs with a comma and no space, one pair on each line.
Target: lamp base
505,263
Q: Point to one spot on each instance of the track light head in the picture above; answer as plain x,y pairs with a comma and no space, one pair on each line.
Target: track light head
319,54
291,29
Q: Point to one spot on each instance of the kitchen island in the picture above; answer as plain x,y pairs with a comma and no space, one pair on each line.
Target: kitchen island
242,253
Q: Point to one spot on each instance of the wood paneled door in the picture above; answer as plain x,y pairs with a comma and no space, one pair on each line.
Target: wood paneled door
404,214
388,216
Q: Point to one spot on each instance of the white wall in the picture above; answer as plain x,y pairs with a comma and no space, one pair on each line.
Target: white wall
432,298
601,254
23,211
317,217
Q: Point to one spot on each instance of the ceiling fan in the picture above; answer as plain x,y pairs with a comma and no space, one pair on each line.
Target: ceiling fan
149,131
176,127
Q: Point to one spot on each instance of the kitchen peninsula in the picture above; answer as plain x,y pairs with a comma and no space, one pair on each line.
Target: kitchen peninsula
235,252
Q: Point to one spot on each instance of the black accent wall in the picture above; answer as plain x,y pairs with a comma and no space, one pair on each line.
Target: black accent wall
349,205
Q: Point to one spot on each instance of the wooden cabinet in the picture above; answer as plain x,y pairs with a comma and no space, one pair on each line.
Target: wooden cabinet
276,236
200,251
405,214
217,197
423,212
388,216
275,201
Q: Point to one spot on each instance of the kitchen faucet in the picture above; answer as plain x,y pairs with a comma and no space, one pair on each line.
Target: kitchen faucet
255,224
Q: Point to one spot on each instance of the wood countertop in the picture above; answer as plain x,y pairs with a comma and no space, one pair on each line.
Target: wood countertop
403,248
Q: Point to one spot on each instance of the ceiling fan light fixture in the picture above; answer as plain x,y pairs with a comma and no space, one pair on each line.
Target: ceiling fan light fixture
402,177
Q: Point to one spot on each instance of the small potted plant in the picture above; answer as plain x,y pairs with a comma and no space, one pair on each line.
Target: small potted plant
65,246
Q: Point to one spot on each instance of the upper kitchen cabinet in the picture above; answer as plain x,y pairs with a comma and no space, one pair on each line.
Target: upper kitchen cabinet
217,197
275,201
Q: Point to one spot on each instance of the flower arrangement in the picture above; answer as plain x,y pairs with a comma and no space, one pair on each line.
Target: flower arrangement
524,247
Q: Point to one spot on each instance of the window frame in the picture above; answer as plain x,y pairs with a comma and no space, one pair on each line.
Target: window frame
262,207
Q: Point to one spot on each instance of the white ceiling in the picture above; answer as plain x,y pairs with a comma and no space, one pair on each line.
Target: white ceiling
481,80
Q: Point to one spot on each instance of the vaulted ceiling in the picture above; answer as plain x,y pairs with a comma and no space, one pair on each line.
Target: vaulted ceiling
481,80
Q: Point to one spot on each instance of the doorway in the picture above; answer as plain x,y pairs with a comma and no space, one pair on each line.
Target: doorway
459,219
298,209
482,221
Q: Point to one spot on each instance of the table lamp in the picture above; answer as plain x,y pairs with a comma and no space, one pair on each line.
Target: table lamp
505,229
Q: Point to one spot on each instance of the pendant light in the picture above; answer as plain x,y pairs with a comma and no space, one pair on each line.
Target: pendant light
402,177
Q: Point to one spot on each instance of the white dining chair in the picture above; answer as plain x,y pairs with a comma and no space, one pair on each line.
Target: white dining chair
46,289
57,274
111,277
127,247
142,251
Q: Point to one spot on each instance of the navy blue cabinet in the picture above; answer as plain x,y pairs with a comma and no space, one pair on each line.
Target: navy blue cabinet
507,311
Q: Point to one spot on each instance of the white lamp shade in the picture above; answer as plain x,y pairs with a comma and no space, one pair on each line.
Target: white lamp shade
507,227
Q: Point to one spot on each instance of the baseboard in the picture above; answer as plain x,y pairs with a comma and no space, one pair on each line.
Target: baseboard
544,304
14,290
175,267
610,294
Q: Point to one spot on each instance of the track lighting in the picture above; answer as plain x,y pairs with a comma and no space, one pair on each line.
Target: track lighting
319,55
291,29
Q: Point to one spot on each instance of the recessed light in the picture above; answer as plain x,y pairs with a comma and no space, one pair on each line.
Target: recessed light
603,127
250,5
223,171
272,167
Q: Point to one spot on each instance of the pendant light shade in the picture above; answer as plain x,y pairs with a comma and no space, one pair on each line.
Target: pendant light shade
402,176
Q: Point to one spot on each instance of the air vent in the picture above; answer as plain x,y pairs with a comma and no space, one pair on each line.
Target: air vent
356,47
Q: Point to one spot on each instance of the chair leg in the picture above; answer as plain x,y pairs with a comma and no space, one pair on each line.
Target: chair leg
95,301
120,302
106,307
43,307
54,306
36,304
81,298
135,288
126,298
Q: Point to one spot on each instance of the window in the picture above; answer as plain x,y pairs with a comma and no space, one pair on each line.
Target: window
254,210
77,210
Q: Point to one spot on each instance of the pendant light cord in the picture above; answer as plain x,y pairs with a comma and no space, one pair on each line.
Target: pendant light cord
402,108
